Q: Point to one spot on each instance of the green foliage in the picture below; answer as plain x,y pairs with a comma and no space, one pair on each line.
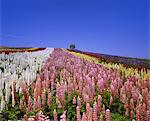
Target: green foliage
91,103
19,96
4,90
97,92
14,113
3,116
71,113
116,107
32,113
83,108
51,107
106,99
30,92
58,74
11,113
71,108
59,112
118,117
74,94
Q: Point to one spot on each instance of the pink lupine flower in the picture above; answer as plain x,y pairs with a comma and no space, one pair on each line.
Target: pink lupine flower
43,96
78,113
90,115
45,74
75,85
41,117
101,118
35,105
137,115
140,99
148,115
25,90
55,115
126,105
99,103
33,87
148,104
120,83
63,116
123,98
144,106
101,85
93,88
44,85
57,90
145,94
38,87
95,117
131,104
107,115
112,90
80,86
47,85
115,84
52,84
84,117
62,95
39,102
122,90
111,100
127,111
25,117
84,92
35,94
58,103
131,114
134,94
31,119
65,86
74,100
29,108
86,98
79,102
87,108
69,89
49,99
22,106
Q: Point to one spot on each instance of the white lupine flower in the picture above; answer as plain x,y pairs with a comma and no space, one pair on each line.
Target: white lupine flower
23,67
1,84
17,85
7,93
13,100
2,103
13,96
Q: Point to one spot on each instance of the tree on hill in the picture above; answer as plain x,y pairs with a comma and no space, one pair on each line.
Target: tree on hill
72,46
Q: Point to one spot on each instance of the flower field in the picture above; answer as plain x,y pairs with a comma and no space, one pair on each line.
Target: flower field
59,85
126,61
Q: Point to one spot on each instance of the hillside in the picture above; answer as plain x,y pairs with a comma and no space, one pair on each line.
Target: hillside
126,61
55,84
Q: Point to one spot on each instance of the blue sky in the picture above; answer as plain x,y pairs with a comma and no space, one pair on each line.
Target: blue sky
116,27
